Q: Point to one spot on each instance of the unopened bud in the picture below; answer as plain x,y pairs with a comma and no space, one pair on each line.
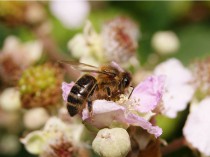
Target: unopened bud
112,143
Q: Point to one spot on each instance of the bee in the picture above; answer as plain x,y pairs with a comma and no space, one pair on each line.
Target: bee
104,82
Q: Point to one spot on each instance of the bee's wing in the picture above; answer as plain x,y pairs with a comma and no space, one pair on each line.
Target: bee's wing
79,66
86,67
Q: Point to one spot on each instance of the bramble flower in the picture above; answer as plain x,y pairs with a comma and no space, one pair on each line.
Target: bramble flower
29,51
197,126
21,12
120,36
116,140
40,86
12,56
87,46
165,42
201,73
178,82
55,140
136,110
71,13
117,41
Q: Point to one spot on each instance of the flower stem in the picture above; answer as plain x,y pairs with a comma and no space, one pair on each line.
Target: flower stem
174,146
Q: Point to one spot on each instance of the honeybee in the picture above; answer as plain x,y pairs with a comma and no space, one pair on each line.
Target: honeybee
108,83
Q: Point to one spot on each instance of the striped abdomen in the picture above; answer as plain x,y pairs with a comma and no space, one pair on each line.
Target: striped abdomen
79,94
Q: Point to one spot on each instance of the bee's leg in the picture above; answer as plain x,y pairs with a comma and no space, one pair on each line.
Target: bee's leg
90,104
109,94
90,108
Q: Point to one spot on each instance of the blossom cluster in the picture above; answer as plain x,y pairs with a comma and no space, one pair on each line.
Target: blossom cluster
35,92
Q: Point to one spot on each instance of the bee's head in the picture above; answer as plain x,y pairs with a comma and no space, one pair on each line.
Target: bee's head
126,80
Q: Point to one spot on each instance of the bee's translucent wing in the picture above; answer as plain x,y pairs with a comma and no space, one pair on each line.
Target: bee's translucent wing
86,67
79,66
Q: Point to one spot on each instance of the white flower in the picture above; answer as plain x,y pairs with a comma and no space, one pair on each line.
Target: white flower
29,52
78,46
165,42
36,115
197,126
178,88
120,39
10,99
87,47
56,137
71,13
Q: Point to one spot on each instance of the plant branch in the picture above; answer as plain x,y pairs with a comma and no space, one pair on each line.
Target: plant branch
173,146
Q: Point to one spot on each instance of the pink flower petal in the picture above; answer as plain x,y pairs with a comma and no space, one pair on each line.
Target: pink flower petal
66,87
148,93
105,113
135,120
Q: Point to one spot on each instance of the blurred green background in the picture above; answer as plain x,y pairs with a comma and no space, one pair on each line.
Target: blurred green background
190,20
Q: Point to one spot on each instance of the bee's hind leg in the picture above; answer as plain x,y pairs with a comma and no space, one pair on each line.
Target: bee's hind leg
90,102
90,108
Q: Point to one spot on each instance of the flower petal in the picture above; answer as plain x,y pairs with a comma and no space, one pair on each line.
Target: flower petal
34,142
135,120
148,93
177,85
71,13
197,126
105,113
66,87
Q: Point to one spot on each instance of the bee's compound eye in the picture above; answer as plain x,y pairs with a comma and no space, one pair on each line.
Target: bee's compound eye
126,82
126,79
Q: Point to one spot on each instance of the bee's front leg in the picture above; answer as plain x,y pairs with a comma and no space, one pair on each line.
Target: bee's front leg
109,94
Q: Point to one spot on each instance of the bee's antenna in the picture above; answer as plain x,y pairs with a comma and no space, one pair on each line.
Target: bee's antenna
131,92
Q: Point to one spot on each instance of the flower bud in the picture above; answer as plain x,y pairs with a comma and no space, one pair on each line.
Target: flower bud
10,99
165,42
112,142
41,116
